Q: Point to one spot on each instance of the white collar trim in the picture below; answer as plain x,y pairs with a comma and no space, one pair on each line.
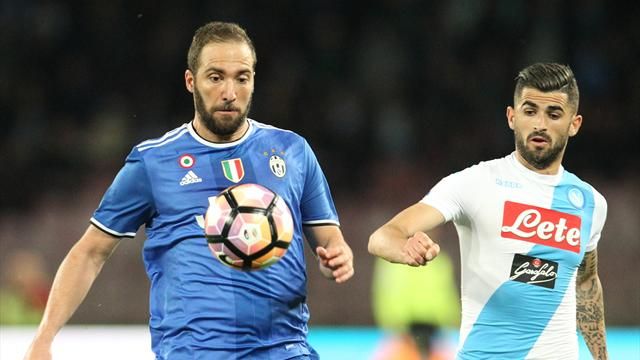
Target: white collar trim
208,143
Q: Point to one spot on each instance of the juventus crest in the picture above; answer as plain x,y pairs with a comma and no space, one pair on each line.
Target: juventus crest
277,165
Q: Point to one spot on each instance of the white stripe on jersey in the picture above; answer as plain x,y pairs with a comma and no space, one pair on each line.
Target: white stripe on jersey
183,130
163,137
110,231
317,222
267,126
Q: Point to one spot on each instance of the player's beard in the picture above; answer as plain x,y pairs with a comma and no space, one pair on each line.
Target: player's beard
226,125
540,158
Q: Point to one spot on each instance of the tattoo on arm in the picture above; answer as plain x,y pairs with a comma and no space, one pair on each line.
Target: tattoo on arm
590,306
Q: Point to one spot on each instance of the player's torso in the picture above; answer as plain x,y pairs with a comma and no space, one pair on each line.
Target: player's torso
185,173
521,243
190,289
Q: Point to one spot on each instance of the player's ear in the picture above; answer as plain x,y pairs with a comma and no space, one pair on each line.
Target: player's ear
574,127
189,80
511,113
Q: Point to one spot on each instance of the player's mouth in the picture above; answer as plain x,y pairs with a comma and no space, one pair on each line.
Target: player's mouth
227,110
539,140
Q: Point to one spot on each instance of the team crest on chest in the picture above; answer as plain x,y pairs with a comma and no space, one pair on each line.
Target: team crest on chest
233,169
277,165
576,198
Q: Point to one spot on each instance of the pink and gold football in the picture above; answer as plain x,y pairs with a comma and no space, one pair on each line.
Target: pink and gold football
248,227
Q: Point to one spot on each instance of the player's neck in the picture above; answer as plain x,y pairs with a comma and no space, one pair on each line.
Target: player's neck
552,169
210,136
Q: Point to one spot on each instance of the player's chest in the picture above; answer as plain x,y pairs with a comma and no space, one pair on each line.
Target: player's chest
181,181
514,218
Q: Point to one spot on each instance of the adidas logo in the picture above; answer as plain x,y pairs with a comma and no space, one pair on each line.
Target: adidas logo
190,178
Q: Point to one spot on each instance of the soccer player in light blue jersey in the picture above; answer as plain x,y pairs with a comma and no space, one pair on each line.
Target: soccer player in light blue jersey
528,232
201,309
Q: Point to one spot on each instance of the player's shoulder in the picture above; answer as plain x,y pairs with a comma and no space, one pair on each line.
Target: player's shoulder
485,166
274,131
162,142
260,126
575,180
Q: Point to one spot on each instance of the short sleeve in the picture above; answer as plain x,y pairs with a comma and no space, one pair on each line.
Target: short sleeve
128,202
599,218
448,195
317,205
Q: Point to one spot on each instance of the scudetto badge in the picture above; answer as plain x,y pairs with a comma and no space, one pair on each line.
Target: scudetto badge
233,169
278,166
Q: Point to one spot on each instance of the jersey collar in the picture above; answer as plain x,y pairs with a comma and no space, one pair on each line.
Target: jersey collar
205,142
545,179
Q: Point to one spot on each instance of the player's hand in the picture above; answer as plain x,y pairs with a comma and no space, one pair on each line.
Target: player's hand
336,262
420,249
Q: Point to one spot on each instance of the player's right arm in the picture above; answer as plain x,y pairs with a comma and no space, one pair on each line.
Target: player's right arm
72,282
403,239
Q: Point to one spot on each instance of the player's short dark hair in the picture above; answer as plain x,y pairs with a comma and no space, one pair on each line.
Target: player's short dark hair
548,77
216,32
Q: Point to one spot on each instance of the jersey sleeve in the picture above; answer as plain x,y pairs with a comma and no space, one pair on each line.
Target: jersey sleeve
599,218
449,195
317,205
128,202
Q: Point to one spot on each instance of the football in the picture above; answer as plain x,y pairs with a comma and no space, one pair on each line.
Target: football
248,227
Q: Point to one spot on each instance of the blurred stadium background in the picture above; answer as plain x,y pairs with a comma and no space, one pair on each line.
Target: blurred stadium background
392,95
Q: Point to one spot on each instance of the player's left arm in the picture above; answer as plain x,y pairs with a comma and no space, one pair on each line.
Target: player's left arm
335,257
590,306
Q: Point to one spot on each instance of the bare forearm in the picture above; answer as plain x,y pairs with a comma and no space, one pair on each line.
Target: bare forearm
73,280
390,241
387,243
590,316
70,286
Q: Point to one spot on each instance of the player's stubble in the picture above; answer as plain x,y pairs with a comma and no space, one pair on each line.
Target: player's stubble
225,126
540,158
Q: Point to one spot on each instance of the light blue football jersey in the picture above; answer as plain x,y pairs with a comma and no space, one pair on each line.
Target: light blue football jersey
200,308
522,238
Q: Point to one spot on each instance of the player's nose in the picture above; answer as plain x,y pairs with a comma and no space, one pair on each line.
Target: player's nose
540,122
228,91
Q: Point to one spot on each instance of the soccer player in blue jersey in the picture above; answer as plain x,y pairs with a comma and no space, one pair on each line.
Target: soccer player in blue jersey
201,309
528,232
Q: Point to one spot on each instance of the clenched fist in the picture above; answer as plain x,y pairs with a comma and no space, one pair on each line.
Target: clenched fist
419,250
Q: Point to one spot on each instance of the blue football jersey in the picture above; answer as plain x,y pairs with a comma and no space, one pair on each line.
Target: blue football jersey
199,307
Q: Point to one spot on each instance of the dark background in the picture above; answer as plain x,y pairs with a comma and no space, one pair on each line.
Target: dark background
392,95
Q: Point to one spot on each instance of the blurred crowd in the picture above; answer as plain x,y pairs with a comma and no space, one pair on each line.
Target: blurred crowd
392,95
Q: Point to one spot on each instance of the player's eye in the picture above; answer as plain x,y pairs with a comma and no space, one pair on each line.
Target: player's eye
243,79
529,112
215,77
555,116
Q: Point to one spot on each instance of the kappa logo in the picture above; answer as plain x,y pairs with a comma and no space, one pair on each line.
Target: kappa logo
190,178
541,226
